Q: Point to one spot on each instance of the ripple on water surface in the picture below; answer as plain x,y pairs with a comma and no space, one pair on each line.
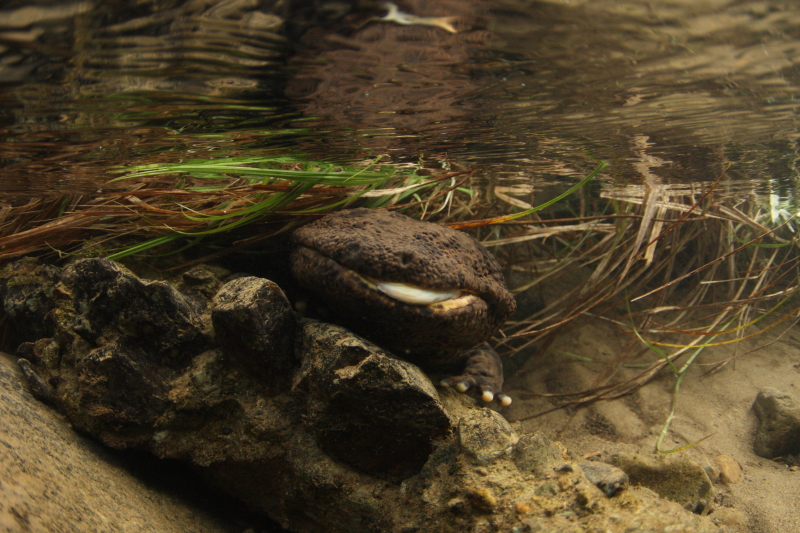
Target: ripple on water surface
525,91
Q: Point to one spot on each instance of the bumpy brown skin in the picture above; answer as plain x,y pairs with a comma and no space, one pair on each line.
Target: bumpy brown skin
393,247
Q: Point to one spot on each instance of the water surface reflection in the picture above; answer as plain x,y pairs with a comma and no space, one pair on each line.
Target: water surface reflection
679,88
529,92
87,87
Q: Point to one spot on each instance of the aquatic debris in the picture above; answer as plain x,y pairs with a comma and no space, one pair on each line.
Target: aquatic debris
395,15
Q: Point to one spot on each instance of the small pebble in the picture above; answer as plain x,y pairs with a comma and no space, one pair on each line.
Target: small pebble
198,276
546,489
734,519
607,478
729,470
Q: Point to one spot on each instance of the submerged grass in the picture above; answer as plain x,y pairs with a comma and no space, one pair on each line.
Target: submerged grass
199,199
677,270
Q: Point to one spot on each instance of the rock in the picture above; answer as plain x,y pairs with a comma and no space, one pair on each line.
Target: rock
200,284
674,477
730,471
536,454
486,435
605,477
55,480
27,291
732,520
111,302
357,441
778,432
40,389
367,408
120,385
254,323
205,276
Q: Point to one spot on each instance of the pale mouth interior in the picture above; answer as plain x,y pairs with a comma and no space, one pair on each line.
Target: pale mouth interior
411,294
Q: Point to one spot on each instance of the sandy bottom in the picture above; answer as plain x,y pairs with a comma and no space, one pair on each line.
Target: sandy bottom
719,405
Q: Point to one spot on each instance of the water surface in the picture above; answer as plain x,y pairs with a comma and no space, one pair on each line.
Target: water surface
532,93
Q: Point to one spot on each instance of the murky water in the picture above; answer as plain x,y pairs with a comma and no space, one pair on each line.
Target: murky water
527,91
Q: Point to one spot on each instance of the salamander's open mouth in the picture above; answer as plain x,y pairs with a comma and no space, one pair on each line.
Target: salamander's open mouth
413,295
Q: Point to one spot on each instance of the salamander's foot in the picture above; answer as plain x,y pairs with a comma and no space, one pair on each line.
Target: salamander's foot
483,371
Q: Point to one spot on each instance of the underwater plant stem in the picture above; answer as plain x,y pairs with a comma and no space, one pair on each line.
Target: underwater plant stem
506,218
